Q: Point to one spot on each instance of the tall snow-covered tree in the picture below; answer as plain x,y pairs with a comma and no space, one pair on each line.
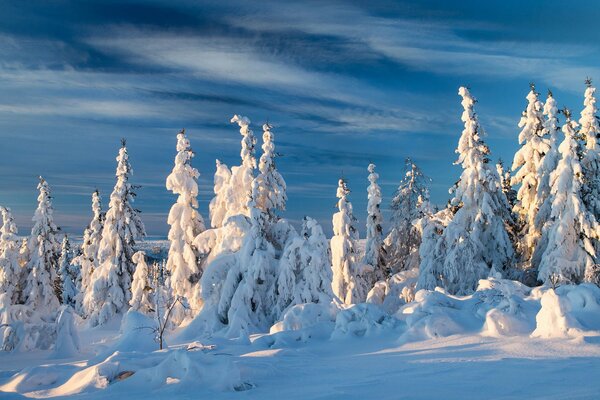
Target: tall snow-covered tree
348,283
271,186
403,241
141,286
10,269
218,205
111,281
545,170
590,130
526,164
374,259
240,184
304,273
88,259
186,223
66,274
569,255
475,242
42,289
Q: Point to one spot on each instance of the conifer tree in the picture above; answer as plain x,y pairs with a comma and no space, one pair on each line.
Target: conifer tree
545,170
66,274
526,165
42,289
10,270
87,261
475,242
403,241
141,287
240,184
186,223
590,130
218,205
569,255
348,284
374,260
111,281
304,273
507,189
271,186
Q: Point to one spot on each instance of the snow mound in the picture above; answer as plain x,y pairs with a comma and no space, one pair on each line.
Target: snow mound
137,333
569,311
394,292
305,321
362,320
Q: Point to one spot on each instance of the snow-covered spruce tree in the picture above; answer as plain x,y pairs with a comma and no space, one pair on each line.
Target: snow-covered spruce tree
475,242
141,286
569,255
186,223
248,291
88,259
42,289
304,273
10,269
544,195
505,178
271,186
374,259
240,184
590,130
526,163
348,283
403,241
111,281
65,273
218,205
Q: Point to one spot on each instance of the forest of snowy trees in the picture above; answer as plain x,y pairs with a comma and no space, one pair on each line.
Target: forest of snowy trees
240,269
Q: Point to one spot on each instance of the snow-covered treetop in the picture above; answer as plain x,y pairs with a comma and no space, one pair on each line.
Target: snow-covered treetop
248,141
271,186
411,193
550,112
8,231
342,191
590,128
43,218
473,157
183,180
532,120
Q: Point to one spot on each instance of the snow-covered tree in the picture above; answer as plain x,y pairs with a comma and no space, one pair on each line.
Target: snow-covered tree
569,255
526,165
304,273
545,170
374,259
475,242
141,287
248,293
240,184
66,274
186,223
505,178
403,241
88,259
590,130
271,186
42,289
218,205
348,283
111,281
10,269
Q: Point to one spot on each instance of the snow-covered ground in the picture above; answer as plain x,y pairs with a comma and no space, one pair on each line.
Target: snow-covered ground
504,341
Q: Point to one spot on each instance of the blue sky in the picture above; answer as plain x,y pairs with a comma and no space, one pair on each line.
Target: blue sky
343,84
